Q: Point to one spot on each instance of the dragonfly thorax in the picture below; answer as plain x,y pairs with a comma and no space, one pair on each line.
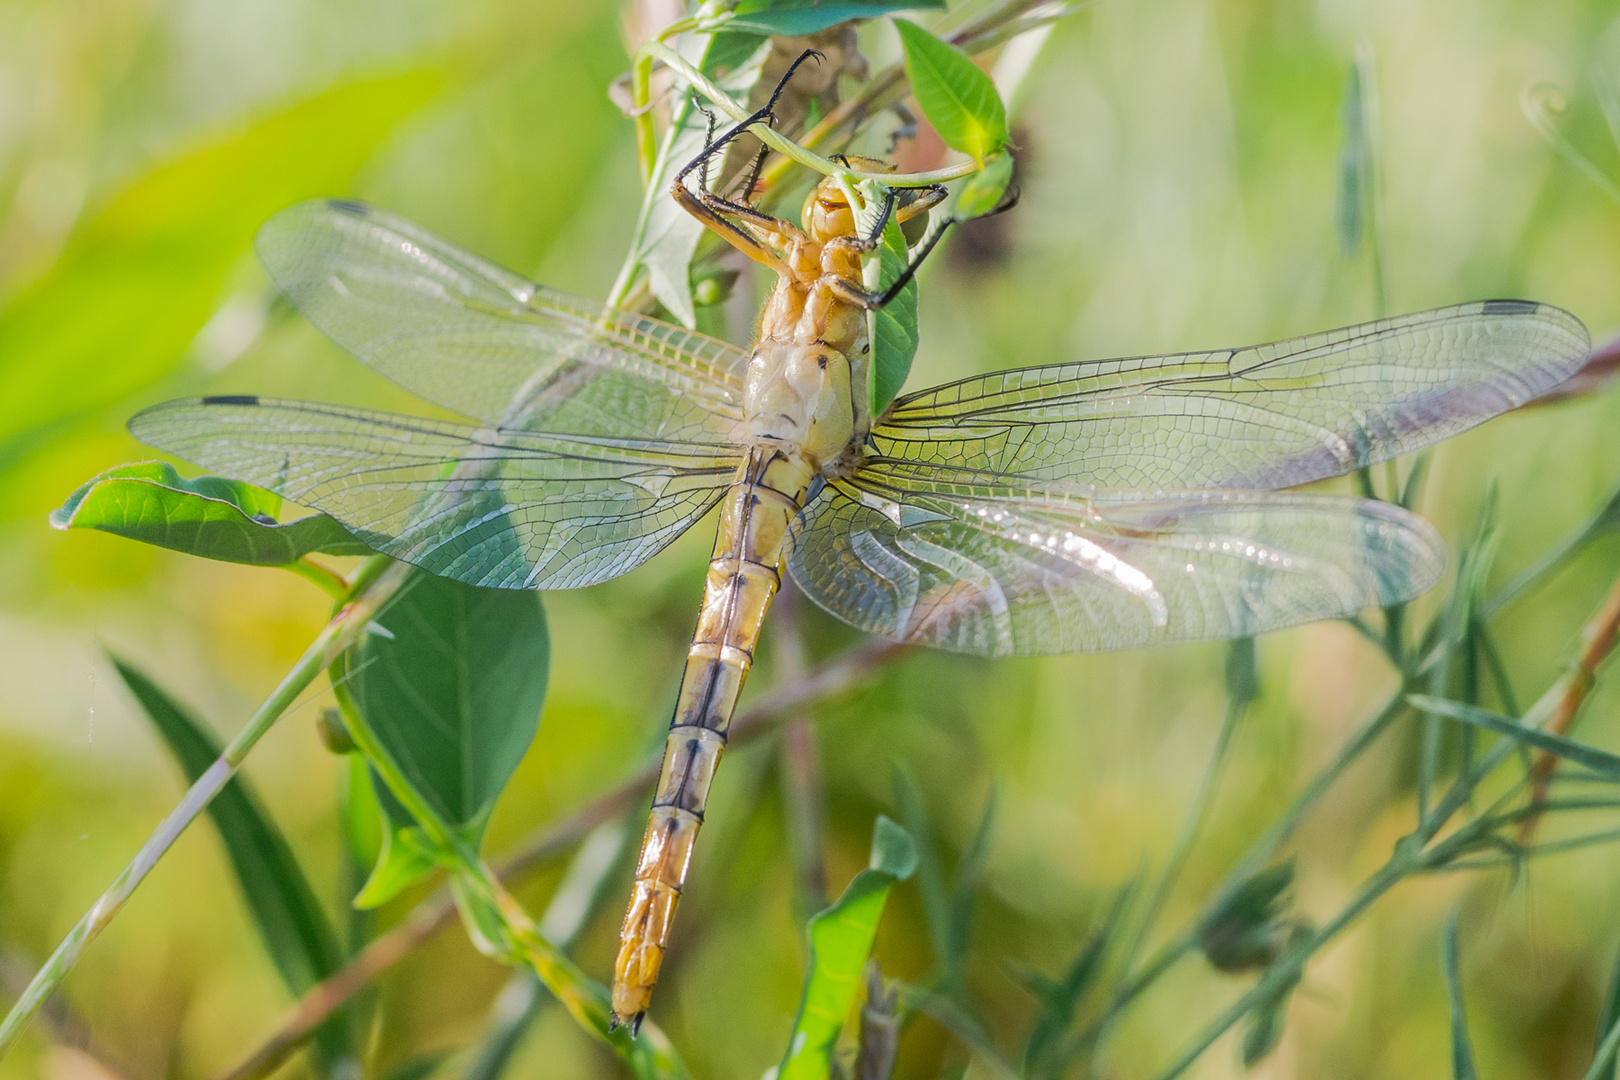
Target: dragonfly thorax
798,396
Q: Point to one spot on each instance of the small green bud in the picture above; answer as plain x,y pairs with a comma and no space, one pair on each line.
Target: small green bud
333,732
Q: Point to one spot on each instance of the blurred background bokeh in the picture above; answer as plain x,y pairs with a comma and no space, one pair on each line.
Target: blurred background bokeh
1178,163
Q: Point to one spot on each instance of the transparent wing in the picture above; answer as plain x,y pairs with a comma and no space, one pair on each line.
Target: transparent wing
467,335
503,508
1263,417
962,561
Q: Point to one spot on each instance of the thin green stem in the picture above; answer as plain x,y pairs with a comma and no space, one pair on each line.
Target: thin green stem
498,924
787,147
1261,850
342,631
1190,823
323,577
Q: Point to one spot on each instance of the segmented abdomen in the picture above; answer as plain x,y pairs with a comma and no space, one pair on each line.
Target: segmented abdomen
744,574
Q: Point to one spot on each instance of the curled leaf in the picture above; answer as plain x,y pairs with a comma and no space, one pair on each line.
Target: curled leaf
208,516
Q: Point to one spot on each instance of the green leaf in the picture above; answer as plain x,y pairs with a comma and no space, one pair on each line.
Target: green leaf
209,516
891,329
141,277
1265,1029
452,686
671,235
796,18
1462,1053
289,918
1599,761
957,97
1246,929
840,941
405,858
982,191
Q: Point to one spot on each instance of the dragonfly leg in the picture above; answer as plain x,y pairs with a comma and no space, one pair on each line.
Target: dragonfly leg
852,294
766,115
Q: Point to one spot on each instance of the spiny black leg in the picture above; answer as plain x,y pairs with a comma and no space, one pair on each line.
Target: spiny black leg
889,197
782,85
746,192
1009,199
765,115
708,141
916,263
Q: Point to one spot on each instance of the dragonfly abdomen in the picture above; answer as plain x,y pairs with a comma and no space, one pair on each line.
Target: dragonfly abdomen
744,574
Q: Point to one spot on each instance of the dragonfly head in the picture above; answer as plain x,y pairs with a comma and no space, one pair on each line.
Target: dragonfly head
827,213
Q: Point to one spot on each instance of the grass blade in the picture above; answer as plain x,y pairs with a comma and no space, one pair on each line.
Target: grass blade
1599,761
1462,1052
295,929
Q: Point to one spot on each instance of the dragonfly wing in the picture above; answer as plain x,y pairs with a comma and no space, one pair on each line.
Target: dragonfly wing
471,337
509,509
972,564
1268,416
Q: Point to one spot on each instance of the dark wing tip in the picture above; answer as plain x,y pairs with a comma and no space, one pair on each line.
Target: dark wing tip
349,206
230,399
1510,307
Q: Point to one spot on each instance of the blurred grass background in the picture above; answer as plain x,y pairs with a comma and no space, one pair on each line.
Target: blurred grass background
1178,168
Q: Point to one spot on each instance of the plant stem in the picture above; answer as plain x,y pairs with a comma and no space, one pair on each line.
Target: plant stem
323,577
1261,850
343,629
322,1000
1286,970
788,148
1182,849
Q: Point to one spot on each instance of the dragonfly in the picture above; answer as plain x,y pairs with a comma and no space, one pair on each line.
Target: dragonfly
1071,507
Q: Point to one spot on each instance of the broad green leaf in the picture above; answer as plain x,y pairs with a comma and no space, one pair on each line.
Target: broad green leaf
1462,1052
140,278
891,329
957,97
278,896
208,516
796,18
840,941
1599,761
983,190
452,686
671,234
